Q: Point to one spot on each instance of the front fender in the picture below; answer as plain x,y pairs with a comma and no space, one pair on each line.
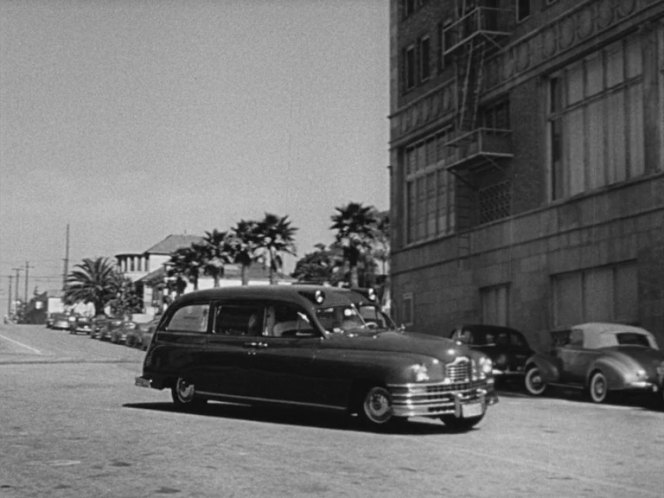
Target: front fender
546,365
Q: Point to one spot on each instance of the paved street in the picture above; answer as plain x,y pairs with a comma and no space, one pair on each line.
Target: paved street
73,424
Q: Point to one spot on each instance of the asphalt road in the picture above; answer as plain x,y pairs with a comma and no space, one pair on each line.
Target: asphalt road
72,424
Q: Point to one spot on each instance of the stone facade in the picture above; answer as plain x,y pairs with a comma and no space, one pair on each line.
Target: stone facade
548,244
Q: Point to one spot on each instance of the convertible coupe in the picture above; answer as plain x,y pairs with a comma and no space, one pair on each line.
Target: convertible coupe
600,358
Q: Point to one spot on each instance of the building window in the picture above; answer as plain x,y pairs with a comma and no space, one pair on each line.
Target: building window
407,308
522,9
407,7
409,67
495,305
607,293
596,120
495,201
425,58
429,188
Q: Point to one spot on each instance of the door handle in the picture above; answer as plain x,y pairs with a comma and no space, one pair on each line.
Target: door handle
255,345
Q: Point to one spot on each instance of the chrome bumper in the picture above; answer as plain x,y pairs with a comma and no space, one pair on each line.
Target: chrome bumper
427,400
143,382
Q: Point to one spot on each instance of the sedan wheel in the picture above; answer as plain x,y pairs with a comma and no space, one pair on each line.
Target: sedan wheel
184,394
598,387
376,407
534,382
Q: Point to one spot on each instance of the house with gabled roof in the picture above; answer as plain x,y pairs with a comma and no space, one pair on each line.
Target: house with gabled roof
148,271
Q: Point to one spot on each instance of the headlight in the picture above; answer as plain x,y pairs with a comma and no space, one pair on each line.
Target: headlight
420,372
660,370
486,366
640,373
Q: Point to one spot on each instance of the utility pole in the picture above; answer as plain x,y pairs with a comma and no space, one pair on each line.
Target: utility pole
27,267
17,282
64,275
9,299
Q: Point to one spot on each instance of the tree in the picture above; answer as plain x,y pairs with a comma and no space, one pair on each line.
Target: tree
126,300
216,250
275,236
93,281
245,241
320,267
355,225
185,263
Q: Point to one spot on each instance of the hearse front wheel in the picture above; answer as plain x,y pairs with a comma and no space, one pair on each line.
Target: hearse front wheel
376,407
184,394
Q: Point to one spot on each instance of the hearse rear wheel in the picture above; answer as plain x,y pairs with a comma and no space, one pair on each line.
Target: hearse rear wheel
183,393
376,407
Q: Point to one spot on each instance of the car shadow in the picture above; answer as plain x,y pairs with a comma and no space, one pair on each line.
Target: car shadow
305,418
637,401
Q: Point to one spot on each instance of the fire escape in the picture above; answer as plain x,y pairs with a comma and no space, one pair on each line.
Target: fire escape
469,41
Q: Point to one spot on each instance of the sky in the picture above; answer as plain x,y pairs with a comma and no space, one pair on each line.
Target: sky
130,120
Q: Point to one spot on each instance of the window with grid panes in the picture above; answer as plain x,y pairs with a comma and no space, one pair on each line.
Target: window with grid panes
429,194
596,120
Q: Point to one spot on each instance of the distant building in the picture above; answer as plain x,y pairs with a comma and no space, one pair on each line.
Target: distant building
527,153
148,271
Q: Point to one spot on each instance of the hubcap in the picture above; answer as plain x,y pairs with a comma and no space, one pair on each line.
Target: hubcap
185,391
377,405
535,381
599,387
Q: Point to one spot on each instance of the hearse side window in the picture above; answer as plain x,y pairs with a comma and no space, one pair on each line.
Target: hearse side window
239,319
284,320
191,318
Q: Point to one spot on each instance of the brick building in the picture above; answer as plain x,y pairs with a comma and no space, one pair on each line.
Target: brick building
527,177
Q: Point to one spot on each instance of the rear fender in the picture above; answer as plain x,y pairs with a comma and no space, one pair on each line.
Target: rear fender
546,365
616,373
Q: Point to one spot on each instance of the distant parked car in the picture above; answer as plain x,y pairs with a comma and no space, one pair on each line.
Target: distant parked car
82,324
99,322
61,321
507,348
141,335
599,358
107,328
118,334
49,320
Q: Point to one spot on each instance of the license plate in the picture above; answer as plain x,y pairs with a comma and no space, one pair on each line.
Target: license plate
142,382
472,410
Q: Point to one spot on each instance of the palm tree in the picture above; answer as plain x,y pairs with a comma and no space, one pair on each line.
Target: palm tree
275,237
216,250
244,242
93,281
355,225
185,263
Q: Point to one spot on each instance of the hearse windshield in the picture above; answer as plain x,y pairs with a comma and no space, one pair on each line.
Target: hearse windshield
351,318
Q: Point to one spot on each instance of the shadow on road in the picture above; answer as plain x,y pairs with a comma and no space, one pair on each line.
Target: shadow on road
308,418
636,401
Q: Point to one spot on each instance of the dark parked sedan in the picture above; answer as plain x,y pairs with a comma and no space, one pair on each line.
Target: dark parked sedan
507,348
81,324
61,321
599,358
312,346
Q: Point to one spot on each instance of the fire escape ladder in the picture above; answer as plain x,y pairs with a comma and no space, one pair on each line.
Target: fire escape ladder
473,74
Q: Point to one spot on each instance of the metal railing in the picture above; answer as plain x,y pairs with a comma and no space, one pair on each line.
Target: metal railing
488,21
